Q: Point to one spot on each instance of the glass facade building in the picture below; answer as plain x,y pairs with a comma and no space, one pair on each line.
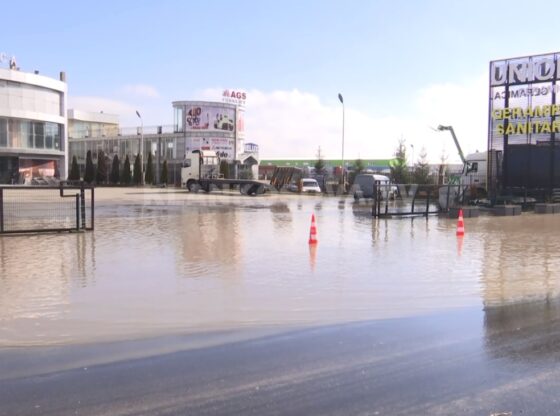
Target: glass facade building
32,127
198,125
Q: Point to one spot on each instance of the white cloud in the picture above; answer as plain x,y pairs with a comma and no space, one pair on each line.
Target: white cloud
140,90
293,124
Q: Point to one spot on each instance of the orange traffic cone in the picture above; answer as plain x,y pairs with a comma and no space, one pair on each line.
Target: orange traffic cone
313,231
460,224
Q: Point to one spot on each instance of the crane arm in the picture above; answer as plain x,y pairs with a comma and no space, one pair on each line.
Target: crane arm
461,155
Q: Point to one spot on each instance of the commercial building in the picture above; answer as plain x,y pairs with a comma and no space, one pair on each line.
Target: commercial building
33,138
197,125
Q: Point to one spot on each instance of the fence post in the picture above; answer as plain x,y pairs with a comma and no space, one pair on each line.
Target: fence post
1,210
77,212
428,202
83,205
92,190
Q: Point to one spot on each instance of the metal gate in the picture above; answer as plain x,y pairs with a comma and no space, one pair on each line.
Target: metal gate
36,209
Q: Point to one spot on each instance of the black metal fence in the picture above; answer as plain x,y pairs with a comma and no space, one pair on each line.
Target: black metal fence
35,209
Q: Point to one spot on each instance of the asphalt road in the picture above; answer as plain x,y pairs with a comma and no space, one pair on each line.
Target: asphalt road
501,361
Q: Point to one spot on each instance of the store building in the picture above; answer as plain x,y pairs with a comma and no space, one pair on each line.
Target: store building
198,125
33,138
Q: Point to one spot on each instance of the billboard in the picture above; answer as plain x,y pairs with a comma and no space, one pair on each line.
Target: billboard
523,122
209,118
223,146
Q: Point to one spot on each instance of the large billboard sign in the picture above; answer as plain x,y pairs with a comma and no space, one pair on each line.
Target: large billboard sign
524,119
209,118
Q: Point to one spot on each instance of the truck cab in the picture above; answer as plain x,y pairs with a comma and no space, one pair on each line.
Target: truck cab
199,164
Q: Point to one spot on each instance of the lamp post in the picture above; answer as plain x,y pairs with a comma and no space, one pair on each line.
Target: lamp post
140,144
412,160
342,182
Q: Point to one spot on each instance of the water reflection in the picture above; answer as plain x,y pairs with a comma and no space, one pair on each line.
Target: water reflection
523,332
520,260
193,262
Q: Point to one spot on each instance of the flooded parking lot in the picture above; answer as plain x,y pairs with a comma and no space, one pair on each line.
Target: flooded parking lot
164,261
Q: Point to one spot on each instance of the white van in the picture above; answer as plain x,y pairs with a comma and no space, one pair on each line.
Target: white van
364,183
310,185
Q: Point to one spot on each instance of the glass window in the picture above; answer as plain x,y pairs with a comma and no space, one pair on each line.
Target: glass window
3,132
39,132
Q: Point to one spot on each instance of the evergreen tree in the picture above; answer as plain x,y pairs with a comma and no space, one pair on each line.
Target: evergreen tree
164,173
90,170
101,174
320,162
422,169
137,174
224,168
358,168
125,177
74,170
359,165
399,168
115,170
149,175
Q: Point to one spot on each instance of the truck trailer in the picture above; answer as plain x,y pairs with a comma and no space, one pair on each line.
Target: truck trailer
201,171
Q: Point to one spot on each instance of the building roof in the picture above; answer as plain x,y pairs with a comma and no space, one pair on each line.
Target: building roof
92,116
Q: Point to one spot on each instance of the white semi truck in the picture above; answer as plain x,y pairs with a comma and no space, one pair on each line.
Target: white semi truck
201,171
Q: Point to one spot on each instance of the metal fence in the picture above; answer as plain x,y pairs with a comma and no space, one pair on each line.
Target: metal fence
35,209
404,200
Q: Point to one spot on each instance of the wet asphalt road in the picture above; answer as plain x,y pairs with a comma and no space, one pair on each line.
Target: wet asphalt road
503,360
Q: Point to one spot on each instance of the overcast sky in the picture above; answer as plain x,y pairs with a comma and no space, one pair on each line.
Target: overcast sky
402,66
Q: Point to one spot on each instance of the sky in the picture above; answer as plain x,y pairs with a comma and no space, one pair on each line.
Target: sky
401,66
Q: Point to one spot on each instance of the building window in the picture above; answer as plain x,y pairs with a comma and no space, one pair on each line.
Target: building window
39,133
3,132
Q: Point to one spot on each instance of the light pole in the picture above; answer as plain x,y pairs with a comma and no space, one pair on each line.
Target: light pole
342,182
412,160
140,144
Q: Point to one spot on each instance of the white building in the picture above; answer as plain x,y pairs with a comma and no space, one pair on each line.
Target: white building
33,133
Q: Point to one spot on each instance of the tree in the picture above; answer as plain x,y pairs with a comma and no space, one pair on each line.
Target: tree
115,170
359,165
125,177
149,175
224,168
320,162
399,168
101,174
137,174
164,173
422,169
74,170
90,170
358,168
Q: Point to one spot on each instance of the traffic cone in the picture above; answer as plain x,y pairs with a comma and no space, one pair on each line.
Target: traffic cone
313,231
460,224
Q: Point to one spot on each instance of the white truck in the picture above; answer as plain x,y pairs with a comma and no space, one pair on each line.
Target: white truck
201,171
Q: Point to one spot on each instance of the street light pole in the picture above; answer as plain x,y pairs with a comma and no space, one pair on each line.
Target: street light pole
140,147
342,181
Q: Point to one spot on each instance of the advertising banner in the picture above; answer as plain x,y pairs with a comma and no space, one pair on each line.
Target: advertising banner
209,118
223,146
240,124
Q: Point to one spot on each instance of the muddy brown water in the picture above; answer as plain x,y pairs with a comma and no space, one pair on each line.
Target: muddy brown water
163,262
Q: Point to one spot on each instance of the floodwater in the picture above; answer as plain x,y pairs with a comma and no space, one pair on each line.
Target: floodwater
164,261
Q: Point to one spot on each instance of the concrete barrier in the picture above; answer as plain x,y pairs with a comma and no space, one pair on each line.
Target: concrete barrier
468,212
544,208
507,210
